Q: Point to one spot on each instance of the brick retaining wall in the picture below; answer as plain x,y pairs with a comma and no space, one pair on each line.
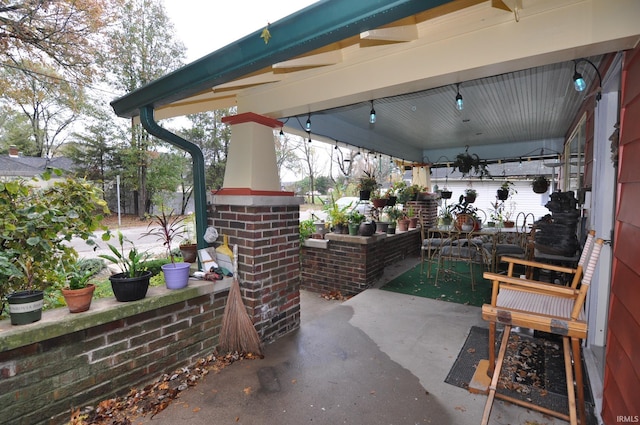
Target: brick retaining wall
74,360
351,264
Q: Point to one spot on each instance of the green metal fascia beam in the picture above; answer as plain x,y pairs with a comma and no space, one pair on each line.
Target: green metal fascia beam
199,186
316,26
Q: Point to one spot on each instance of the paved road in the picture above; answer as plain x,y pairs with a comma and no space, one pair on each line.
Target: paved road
134,234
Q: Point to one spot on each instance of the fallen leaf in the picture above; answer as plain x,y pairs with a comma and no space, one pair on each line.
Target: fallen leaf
247,390
196,409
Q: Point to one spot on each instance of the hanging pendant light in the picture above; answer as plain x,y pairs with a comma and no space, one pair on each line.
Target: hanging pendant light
307,126
459,101
372,114
578,82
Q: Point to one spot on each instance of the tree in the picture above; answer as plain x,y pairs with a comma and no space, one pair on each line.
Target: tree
63,34
93,149
142,49
286,157
310,164
15,130
213,137
50,104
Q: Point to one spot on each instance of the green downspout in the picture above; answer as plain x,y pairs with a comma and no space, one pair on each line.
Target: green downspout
199,191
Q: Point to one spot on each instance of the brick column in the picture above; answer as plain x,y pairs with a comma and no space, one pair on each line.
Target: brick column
266,230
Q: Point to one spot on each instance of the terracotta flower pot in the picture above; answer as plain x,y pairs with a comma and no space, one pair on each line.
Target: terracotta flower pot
379,203
79,300
403,225
189,252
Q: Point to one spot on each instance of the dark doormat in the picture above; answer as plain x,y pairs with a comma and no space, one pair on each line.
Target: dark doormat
533,370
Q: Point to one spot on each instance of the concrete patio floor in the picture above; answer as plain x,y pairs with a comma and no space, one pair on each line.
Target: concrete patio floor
377,358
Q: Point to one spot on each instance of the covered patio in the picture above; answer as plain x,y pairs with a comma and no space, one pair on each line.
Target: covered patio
348,364
513,63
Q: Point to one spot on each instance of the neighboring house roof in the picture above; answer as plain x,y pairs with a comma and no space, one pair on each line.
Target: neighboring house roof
28,166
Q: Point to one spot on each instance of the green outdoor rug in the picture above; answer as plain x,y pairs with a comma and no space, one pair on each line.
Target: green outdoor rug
452,287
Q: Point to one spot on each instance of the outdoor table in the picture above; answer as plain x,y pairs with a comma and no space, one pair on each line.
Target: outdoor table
493,233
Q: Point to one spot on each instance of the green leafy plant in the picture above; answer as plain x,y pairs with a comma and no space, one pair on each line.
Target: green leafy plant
307,228
446,212
409,193
337,215
131,263
78,275
37,219
395,214
469,164
355,217
368,182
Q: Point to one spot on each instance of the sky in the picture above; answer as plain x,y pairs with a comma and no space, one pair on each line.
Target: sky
207,25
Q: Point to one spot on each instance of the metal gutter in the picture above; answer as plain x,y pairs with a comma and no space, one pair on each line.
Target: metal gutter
199,189
316,26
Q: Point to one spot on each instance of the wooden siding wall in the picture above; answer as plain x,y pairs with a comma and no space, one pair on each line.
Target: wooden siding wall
621,401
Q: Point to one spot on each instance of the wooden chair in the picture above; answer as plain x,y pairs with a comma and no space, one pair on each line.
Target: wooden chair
544,307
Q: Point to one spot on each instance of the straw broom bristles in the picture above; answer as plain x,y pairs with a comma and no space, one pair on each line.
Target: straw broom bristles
237,332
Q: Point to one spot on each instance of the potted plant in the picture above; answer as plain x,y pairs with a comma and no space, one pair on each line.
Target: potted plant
446,215
470,195
506,189
396,215
367,185
132,283
413,219
540,184
38,218
466,215
354,218
377,200
338,216
508,214
446,193
79,292
167,228
410,193
188,246
469,164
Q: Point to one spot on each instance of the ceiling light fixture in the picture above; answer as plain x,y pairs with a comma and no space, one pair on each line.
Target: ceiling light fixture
307,126
459,101
578,81
372,114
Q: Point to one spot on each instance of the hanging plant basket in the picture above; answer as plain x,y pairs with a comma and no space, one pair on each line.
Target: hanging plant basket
540,184
503,194
446,194
365,195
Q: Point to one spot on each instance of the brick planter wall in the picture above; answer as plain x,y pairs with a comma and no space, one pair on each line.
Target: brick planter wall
351,264
266,230
74,360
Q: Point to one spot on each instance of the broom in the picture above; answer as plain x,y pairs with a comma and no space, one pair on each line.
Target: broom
237,332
